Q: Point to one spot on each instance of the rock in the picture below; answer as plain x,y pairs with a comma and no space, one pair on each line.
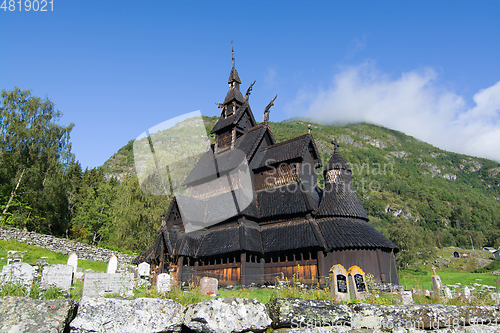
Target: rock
127,315
421,316
227,314
36,315
296,312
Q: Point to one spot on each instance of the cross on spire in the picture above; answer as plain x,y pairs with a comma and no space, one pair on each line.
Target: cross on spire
335,145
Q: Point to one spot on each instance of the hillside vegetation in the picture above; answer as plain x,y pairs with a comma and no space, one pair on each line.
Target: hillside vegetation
418,195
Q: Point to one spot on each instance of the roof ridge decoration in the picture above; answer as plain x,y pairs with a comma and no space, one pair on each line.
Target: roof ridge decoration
267,110
249,90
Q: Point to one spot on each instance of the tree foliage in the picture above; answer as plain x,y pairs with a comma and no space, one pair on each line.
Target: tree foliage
34,155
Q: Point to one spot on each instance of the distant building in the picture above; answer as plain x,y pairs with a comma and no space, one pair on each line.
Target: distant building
496,254
490,249
457,254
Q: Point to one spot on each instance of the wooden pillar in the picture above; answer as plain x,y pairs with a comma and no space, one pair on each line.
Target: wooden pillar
180,263
243,262
263,270
321,267
196,264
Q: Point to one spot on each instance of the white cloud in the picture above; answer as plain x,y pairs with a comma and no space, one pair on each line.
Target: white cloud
414,103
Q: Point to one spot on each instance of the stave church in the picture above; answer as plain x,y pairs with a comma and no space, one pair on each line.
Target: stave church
255,212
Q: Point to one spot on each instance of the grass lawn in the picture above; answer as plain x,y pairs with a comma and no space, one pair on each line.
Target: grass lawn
422,279
33,253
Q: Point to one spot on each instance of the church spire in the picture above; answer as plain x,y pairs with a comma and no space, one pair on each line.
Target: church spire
234,78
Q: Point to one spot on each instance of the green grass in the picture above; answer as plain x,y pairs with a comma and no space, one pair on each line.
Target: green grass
423,279
33,253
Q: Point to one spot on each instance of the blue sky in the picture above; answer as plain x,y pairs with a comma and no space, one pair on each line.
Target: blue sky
116,68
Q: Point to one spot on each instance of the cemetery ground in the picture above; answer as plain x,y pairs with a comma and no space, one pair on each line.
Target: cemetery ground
475,272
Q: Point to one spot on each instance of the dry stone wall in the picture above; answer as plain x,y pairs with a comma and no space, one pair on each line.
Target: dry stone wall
234,315
63,245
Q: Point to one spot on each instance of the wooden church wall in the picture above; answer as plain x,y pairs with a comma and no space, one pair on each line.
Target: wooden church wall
375,262
303,266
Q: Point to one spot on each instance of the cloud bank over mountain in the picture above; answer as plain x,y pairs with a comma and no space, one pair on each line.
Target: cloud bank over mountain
416,103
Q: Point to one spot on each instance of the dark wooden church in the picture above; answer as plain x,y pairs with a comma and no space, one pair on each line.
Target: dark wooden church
278,225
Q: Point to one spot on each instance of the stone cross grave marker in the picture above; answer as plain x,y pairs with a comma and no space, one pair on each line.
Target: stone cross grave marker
112,265
143,269
437,285
19,273
209,286
357,282
96,284
60,276
339,285
163,283
73,262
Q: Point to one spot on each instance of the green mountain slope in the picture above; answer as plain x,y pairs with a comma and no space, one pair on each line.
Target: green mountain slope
455,196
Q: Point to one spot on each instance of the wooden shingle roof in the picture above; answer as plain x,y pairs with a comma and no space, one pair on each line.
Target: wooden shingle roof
347,233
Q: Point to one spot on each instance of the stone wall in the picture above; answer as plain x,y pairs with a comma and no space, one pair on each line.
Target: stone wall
63,245
233,315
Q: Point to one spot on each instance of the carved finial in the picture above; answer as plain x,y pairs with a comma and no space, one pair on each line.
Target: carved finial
247,95
309,129
233,52
163,219
335,145
266,110
219,105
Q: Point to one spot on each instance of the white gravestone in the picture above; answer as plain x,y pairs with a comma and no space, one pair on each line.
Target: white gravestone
163,283
447,293
209,286
60,276
96,284
18,273
143,269
112,265
73,262
406,297
466,292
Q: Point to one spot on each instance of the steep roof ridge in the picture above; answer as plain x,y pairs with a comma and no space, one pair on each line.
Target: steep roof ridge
319,236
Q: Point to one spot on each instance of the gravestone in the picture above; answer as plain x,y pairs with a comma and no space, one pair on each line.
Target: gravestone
437,285
18,273
163,283
447,293
209,286
339,284
143,269
96,284
60,276
73,262
406,297
357,282
466,292
112,265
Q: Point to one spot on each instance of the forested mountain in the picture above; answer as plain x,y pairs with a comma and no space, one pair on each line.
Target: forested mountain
418,195
407,186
